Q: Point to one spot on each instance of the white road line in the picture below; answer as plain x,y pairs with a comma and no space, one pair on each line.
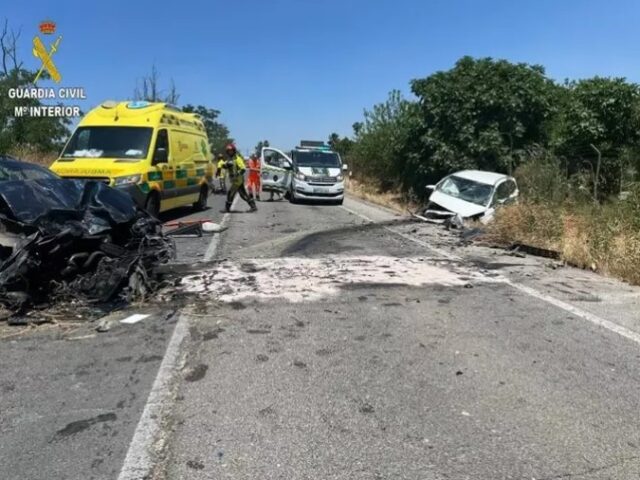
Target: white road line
139,460
135,318
140,456
215,240
578,312
596,320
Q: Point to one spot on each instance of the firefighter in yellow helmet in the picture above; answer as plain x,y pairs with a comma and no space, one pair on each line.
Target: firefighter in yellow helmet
236,169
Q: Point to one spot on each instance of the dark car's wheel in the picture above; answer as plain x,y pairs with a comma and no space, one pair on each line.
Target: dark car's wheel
153,204
201,204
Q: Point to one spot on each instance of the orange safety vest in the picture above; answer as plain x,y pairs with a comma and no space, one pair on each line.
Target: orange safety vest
254,170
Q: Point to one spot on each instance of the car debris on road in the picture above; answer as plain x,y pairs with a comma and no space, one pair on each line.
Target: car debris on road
72,241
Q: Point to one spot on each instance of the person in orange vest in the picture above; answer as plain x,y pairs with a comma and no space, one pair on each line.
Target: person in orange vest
253,179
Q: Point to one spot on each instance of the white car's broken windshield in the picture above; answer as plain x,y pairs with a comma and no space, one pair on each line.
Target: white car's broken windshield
467,190
109,142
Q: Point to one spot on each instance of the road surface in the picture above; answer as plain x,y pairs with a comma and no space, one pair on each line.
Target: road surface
339,343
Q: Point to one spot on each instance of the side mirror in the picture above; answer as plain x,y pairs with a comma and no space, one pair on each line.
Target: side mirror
345,167
430,187
161,155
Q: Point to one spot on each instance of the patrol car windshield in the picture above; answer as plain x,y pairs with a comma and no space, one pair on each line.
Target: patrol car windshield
109,142
316,159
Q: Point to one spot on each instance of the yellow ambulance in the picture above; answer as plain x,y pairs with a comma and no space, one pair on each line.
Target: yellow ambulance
155,152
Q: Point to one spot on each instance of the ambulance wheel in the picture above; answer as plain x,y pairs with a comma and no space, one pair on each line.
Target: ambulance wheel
153,204
201,204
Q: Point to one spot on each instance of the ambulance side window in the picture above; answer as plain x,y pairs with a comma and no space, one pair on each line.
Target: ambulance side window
161,152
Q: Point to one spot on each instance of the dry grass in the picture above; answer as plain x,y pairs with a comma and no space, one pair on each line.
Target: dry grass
29,154
393,200
599,238
529,224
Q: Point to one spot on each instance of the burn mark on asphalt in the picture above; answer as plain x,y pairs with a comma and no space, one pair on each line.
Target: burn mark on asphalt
81,425
258,331
195,464
149,358
366,407
299,364
196,373
237,305
267,411
212,334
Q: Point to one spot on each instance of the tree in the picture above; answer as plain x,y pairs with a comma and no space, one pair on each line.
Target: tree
483,114
599,123
44,134
382,142
342,145
261,144
147,88
218,133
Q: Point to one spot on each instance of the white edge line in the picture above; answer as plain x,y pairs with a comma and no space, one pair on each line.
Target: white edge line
578,312
139,459
215,240
135,318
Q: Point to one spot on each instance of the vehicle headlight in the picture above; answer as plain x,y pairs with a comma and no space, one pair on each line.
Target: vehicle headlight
301,176
126,180
340,177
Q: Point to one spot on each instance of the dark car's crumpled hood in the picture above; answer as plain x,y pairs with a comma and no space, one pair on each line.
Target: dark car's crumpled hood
98,206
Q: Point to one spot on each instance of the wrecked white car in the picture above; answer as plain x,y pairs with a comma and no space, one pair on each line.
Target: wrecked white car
469,195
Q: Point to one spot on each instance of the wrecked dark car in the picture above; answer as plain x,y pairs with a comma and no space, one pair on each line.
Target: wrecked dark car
71,240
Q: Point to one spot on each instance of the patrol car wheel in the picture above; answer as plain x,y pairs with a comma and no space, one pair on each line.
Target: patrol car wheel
153,205
292,197
201,204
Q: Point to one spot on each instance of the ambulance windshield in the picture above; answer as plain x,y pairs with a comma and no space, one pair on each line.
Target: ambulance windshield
109,142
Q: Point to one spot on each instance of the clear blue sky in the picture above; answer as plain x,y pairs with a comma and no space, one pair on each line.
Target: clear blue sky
291,69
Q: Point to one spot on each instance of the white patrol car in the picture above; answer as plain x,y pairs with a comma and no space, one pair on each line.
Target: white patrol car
312,172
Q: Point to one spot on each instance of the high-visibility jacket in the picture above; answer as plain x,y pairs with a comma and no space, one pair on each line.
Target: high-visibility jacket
220,171
236,168
254,170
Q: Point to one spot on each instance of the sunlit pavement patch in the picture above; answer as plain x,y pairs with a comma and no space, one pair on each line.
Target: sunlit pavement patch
309,279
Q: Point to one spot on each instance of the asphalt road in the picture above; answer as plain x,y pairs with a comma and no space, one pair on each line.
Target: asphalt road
337,348
328,342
